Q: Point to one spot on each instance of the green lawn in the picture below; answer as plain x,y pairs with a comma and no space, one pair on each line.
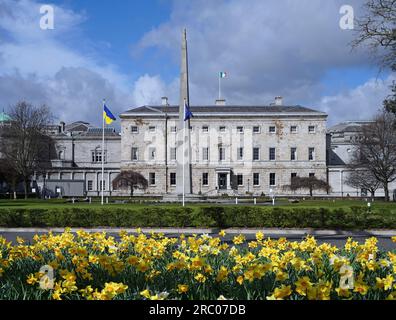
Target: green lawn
62,203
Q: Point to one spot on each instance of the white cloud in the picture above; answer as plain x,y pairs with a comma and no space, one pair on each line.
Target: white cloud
37,65
268,48
360,103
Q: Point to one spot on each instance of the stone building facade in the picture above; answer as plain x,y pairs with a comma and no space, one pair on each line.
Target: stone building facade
235,150
76,161
340,144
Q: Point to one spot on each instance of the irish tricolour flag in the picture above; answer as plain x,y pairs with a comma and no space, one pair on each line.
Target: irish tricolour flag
223,75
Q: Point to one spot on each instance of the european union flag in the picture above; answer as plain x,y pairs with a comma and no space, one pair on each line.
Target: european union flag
187,112
108,116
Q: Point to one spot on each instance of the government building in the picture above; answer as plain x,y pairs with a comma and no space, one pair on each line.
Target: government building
221,149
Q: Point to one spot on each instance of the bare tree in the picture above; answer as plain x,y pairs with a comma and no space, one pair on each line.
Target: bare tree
375,151
377,30
10,177
363,179
24,142
308,183
130,179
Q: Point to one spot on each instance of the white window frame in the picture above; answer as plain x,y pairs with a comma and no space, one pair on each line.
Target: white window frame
205,129
314,129
137,154
259,129
170,179
155,179
259,179
135,127
240,129
291,129
269,130
239,156
259,154
313,154
151,156
295,154
205,151
269,155
152,129
173,154
272,185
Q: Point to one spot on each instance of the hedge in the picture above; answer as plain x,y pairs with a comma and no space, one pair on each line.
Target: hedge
206,216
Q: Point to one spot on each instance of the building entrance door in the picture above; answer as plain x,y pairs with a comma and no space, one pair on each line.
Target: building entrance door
222,181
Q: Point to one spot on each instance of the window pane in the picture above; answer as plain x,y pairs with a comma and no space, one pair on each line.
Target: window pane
173,178
152,178
173,154
293,155
272,154
256,179
205,179
272,179
256,154
256,129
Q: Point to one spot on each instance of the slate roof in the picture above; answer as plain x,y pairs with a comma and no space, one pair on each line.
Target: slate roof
223,109
95,132
348,126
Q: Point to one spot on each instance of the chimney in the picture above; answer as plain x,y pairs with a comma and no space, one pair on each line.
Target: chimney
220,102
165,101
62,127
278,101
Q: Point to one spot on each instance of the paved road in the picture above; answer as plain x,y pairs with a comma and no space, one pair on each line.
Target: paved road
335,238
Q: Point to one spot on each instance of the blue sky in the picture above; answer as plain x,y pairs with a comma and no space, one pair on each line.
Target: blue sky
128,51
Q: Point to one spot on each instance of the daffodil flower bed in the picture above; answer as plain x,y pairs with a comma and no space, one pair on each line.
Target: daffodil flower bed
95,266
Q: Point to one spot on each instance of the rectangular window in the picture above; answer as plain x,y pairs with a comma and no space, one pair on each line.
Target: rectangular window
272,154
256,129
172,178
205,154
240,154
293,129
293,175
293,154
173,154
312,175
174,129
256,179
152,153
97,156
272,179
311,129
135,155
90,185
152,178
311,154
102,184
256,154
205,179
240,179
240,129
152,129
222,129
205,129
221,154
272,129
134,129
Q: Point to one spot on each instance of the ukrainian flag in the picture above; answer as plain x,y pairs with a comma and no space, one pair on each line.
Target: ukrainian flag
108,116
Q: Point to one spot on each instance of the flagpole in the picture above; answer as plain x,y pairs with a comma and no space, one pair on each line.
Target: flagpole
219,86
103,152
184,153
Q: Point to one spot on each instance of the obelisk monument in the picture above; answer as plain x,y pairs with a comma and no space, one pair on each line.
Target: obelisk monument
183,173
